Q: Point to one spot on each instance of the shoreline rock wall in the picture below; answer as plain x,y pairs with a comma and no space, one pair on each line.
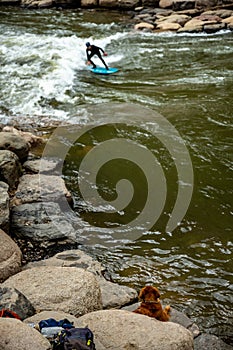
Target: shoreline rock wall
175,5
180,16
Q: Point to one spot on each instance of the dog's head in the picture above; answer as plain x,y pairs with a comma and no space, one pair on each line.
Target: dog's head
149,294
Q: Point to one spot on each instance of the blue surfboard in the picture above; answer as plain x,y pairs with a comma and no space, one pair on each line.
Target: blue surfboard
103,70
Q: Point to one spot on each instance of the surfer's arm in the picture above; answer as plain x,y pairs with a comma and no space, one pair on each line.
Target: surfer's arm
88,55
103,52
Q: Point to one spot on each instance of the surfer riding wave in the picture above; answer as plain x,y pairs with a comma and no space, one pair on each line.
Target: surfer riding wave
92,50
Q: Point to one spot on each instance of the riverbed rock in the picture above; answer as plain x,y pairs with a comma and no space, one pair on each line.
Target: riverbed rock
14,300
222,13
18,335
66,289
33,4
31,139
15,143
10,168
42,165
166,26
206,4
120,4
43,223
144,25
174,18
210,19
180,5
213,28
113,295
150,3
40,187
119,329
166,4
229,22
192,26
89,3
4,207
210,342
10,257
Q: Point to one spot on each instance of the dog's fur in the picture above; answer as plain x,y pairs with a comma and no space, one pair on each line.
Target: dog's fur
151,305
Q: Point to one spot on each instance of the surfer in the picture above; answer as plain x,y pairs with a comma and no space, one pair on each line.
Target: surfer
92,50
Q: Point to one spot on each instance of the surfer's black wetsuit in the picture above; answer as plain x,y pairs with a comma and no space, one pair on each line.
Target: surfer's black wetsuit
95,50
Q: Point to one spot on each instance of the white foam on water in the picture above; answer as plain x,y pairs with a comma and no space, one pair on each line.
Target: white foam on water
40,68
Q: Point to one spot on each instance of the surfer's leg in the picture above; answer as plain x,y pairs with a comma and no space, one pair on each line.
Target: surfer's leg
93,64
101,58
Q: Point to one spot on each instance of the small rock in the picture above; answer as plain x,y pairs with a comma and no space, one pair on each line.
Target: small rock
10,168
31,140
180,5
14,143
165,4
10,257
144,25
229,22
4,207
213,28
14,300
223,13
42,165
165,26
17,335
192,26
43,223
210,342
180,19
38,187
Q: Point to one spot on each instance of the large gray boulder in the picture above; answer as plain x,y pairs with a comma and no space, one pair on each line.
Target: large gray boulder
43,223
210,342
176,317
42,165
19,336
10,257
14,300
66,289
10,168
39,187
113,295
31,139
4,207
119,329
15,143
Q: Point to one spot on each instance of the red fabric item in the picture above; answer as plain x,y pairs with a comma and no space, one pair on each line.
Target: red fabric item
9,314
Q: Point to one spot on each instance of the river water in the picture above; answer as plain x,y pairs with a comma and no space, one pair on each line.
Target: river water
188,80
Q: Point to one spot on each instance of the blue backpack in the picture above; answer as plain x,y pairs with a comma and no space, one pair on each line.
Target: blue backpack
75,339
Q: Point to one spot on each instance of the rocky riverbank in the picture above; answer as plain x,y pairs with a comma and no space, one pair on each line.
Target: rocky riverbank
69,284
180,16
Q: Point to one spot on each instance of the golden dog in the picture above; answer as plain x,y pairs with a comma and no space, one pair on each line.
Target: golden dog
151,306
